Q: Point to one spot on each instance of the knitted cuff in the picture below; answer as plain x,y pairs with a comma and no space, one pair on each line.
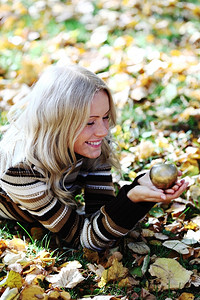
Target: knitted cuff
123,211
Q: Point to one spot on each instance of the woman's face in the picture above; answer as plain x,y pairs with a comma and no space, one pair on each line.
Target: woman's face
89,141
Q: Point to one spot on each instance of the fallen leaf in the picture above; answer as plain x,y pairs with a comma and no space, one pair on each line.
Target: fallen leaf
13,280
91,255
97,269
68,277
146,295
191,237
156,212
33,292
186,296
9,294
145,149
17,244
114,273
139,247
170,273
3,246
11,257
176,246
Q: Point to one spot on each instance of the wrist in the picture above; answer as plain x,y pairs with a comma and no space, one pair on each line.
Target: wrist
131,195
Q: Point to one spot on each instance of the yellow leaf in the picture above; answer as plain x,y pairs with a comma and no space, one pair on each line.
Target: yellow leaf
104,279
191,225
190,167
170,273
132,174
65,295
33,292
17,244
54,295
41,277
124,282
162,142
150,38
145,149
14,279
186,296
175,52
114,273
30,270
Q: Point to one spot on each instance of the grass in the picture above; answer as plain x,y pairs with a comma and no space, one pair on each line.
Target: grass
89,287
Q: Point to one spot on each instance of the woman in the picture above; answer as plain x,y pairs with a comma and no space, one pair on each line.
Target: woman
59,145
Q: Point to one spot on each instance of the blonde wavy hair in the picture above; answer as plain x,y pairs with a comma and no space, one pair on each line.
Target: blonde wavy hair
57,111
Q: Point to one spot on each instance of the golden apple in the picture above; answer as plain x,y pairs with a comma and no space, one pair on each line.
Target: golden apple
163,176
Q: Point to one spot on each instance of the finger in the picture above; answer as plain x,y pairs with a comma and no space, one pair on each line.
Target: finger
178,192
170,191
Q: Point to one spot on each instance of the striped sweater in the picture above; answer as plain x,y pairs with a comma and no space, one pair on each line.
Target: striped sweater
24,197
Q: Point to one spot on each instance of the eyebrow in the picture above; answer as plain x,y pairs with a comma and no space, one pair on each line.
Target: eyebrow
98,116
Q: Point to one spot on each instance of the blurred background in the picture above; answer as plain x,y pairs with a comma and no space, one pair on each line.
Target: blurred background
146,51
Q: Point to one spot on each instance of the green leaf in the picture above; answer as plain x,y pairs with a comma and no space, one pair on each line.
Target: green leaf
137,271
156,212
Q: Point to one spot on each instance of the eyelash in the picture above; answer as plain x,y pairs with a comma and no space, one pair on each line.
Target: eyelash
92,123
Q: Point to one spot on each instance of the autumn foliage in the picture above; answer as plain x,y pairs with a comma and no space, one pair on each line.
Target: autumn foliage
148,54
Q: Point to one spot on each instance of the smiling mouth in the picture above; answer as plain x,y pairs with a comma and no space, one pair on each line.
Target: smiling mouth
94,143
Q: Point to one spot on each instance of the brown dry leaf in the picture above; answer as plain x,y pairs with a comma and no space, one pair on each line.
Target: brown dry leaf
176,208
116,255
37,233
146,295
114,273
33,292
170,273
17,244
91,255
186,296
3,246
127,282
195,280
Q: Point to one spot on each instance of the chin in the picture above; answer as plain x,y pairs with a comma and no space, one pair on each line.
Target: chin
93,155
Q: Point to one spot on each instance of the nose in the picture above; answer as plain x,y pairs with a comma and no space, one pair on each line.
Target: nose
102,130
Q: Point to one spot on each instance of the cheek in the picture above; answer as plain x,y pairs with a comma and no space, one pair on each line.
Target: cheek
83,136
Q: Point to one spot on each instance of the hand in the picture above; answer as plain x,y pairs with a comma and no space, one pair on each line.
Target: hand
147,192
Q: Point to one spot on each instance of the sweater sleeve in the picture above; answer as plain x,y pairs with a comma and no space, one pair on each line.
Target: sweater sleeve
111,218
115,215
26,188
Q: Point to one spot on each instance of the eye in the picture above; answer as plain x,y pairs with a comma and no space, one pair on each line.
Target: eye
90,123
106,117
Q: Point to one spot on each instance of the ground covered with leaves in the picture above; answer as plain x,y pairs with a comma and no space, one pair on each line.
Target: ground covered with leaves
148,53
